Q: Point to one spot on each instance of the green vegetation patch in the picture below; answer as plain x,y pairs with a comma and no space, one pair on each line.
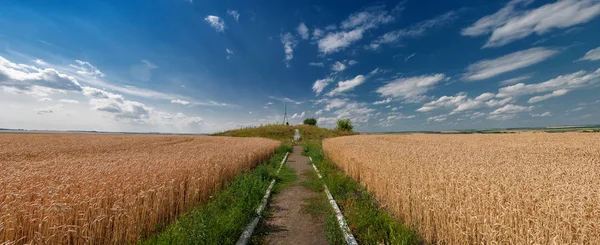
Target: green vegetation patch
285,133
369,223
222,219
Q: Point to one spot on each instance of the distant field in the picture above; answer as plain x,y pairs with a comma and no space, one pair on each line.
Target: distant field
528,188
111,189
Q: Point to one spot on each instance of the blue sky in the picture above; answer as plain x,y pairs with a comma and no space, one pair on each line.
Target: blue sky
206,66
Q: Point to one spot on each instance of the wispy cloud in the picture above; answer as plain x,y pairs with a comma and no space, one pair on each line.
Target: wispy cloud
320,84
489,68
235,14
556,93
570,81
416,30
410,88
511,23
348,85
216,22
515,80
289,43
592,55
316,64
353,29
303,31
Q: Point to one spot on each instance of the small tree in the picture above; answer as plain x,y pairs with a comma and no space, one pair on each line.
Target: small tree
344,125
310,121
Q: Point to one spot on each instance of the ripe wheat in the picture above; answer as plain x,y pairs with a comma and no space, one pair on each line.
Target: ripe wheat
529,188
111,189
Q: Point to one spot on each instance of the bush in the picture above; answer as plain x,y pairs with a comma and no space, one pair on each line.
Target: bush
310,121
344,125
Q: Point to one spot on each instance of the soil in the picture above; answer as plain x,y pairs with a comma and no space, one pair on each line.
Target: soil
289,223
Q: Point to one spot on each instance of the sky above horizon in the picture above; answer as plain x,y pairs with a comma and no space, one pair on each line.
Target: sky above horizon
191,66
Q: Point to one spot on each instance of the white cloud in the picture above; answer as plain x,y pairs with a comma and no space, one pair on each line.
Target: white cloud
438,118
410,88
338,66
556,93
510,108
45,100
319,112
296,115
40,62
501,117
592,55
45,111
334,42
269,103
570,81
289,43
409,57
510,24
348,85
317,64
357,113
69,101
320,84
545,114
444,101
317,33
488,23
489,68
30,78
332,103
216,22
235,14
515,80
416,30
229,52
181,102
353,29
303,31
85,68
352,62
381,102
143,71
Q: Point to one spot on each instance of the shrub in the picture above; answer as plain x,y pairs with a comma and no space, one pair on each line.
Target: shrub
344,125
310,121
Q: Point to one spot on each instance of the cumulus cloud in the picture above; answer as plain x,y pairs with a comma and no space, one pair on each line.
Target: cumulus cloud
235,14
216,22
570,81
510,108
332,103
438,118
489,68
181,102
348,85
29,78
303,31
381,102
416,30
410,88
556,93
512,23
353,29
320,84
357,113
461,102
289,43
134,112
338,66
592,55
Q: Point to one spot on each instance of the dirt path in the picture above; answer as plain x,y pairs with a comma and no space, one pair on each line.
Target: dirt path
290,224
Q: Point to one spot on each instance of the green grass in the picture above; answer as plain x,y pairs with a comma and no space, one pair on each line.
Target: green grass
369,223
222,219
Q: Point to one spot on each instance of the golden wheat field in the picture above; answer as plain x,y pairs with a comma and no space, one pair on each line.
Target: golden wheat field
110,189
529,188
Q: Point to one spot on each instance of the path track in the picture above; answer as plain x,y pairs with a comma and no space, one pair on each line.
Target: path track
289,223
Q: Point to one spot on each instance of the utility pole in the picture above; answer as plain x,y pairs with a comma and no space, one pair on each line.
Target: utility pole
285,114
